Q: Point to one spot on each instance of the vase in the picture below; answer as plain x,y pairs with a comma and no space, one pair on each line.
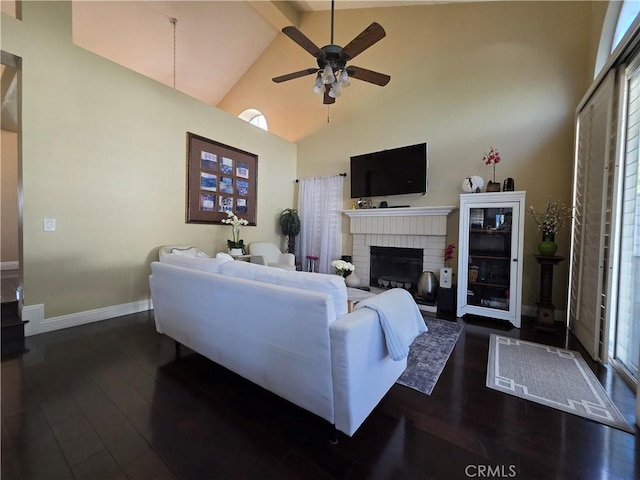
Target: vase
235,251
493,186
428,286
547,247
352,280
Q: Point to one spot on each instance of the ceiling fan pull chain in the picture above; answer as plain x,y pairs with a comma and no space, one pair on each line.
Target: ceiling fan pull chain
328,107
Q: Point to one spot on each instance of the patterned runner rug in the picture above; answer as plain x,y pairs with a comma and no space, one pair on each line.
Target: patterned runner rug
550,376
428,355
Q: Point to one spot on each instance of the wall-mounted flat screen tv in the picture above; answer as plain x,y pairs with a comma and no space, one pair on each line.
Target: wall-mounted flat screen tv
390,172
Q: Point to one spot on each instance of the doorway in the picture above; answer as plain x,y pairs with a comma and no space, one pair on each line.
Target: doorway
10,238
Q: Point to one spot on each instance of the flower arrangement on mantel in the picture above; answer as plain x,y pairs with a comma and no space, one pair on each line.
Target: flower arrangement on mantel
343,268
236,223
492,158
448,255
553,219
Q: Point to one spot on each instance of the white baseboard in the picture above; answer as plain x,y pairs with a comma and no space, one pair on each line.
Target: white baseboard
38,324
15,265
532,311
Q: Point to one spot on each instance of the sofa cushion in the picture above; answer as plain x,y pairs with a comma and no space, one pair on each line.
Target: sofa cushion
205,264
192,252
184,250
187,252
317,282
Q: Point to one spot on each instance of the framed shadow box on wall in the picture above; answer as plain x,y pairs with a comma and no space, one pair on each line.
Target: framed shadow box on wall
219,178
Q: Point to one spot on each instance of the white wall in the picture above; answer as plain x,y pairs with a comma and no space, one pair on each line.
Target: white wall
464,77
104,153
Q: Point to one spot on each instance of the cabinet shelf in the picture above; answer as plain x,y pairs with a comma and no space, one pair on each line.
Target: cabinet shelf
487,256
490,231
489,284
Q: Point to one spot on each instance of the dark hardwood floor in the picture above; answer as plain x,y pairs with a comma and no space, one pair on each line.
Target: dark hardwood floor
107,400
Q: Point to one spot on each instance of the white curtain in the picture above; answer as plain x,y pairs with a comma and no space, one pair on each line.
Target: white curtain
319,207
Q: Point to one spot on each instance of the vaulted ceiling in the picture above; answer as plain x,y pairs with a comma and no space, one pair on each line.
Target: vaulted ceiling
203,53
215,41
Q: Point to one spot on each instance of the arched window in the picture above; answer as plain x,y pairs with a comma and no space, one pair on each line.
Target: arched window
620,16
628,14
254,117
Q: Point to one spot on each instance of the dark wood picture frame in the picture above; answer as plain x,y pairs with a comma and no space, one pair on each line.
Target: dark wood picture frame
220,178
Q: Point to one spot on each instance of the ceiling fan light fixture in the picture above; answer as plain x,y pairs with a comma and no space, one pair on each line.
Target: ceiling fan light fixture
319,85
335,90
327,74
344,78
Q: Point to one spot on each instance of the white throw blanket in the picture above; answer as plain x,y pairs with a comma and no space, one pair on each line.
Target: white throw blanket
400,319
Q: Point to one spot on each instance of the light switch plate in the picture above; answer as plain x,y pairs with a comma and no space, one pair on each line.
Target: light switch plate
49,224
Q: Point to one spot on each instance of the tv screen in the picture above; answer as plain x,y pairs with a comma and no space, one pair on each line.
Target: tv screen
390,172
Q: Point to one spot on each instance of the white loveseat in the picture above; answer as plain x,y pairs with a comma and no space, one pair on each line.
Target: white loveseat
286,331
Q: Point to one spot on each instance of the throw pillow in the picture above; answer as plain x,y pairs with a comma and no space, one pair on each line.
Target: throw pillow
187,252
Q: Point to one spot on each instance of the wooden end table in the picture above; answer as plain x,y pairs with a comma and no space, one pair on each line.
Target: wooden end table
546,309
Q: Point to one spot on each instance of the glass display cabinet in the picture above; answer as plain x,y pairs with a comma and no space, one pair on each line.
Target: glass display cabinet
490,255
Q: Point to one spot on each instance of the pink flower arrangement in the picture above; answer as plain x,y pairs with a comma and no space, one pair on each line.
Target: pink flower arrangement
448,254
492,158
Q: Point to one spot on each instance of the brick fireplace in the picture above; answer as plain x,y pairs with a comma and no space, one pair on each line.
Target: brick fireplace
422,228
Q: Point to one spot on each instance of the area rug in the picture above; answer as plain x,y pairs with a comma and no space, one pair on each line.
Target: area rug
550,376
428,355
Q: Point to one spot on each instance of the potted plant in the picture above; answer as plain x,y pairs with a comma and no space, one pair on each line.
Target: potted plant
236,244
492,158
549,222
446,273
290,226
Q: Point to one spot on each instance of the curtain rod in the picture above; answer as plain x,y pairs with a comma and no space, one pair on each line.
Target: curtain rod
341,174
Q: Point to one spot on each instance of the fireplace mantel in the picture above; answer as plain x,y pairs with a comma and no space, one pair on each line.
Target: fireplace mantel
400,212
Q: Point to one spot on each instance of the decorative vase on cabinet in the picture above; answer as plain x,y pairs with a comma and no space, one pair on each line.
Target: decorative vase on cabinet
490,247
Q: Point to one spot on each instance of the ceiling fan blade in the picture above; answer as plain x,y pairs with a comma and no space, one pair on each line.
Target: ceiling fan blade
368,37
327,99
291,76
301,39
368,75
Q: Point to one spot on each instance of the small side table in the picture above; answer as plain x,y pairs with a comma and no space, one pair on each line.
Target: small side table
446,300
546,310
311,263
242,258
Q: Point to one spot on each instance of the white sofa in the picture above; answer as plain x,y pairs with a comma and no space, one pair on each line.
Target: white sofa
286,331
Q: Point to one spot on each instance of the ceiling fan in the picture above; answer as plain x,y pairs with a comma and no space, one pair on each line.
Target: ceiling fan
333,73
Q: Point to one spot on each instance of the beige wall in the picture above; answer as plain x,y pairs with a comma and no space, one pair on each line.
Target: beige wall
464,77
598,28
9,232
103,152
